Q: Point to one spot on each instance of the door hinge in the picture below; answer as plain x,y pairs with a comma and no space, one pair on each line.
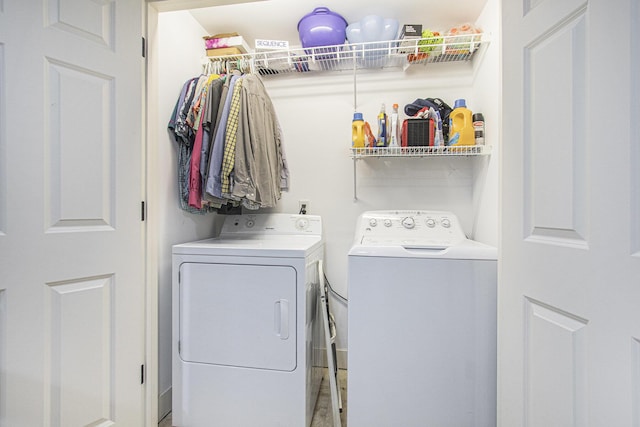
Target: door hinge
142,211
144,47
141,374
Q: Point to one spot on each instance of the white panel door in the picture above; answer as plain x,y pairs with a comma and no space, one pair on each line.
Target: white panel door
71,236
569,323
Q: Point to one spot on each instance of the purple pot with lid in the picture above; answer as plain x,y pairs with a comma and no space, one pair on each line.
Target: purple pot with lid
322,27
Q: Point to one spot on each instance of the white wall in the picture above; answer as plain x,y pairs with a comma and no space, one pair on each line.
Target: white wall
174,56
315,112
315,115
487,91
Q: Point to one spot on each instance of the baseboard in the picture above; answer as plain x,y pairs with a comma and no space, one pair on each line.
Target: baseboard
164,403
341,356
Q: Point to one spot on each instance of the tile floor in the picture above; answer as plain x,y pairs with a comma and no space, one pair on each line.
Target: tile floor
322,415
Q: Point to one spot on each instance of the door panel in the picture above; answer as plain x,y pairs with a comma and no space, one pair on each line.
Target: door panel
80,359
3,138
93,20
569,283
554,170
80,194
71,236
3,351
238,315
554,366
634,110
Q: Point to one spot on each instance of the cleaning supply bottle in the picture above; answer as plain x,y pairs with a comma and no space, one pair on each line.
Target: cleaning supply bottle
461,130
393,139
478,127
357,131
382,128
369,137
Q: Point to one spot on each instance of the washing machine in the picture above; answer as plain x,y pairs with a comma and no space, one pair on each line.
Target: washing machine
421,323
247,344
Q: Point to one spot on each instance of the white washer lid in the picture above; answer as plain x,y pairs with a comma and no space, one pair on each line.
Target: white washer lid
415,234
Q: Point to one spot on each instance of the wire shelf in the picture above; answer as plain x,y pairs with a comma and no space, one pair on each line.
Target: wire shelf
418,151
380,54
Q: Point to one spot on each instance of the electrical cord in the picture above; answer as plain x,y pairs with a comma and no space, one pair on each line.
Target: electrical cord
334,292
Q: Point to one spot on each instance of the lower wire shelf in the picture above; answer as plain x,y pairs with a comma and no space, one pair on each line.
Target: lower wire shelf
420,151
416,151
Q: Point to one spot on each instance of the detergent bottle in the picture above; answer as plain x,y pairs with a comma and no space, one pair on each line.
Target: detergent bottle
461,131
357,131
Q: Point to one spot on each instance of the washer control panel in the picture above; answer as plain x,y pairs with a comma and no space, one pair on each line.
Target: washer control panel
410,229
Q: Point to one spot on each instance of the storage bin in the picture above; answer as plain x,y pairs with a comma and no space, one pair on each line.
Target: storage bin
322,27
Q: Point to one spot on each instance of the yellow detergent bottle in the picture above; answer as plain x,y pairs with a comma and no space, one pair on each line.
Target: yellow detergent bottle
357,131
461,131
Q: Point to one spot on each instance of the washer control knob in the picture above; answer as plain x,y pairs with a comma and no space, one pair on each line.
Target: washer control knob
408,222
387,223
302,224
431,222
445,222
373,222
250,223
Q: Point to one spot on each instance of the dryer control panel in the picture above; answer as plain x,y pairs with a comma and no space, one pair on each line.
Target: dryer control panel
265,224
410,229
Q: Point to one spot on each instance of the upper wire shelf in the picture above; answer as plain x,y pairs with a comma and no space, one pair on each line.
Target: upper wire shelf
379,54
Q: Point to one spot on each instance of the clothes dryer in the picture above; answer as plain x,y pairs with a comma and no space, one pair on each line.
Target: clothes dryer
421,323
247,344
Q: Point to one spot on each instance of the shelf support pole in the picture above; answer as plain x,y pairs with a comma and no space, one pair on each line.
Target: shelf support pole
355,89
355,107
355,183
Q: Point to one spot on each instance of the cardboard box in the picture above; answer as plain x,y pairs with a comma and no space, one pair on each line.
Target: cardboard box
226,41
224,51
410,32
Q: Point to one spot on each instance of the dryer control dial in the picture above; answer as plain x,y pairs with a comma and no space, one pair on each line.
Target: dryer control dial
408,222
373,222
302,224
431,222
388,223
446,223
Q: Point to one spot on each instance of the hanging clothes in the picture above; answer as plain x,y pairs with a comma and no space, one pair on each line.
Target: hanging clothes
229,155
229,141
199,110
183,136
214,187
260,162
210,119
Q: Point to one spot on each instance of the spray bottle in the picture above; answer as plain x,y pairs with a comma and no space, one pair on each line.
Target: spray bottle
382,128
393,142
